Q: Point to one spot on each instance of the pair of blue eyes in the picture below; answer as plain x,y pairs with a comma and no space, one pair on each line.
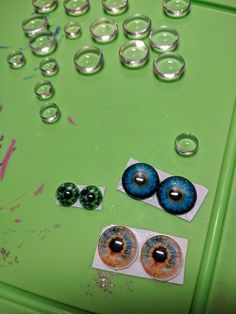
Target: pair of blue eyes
68,194
161,256
175,194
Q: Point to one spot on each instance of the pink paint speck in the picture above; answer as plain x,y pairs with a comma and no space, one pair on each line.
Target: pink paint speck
39,190
71,121
6,159
18,221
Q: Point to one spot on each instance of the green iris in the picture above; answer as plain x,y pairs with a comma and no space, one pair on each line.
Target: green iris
90,197
67,194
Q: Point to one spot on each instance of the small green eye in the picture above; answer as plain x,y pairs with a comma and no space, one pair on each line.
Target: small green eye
90,197
67,194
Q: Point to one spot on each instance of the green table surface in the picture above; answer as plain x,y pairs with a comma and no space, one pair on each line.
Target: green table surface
216,4
118,114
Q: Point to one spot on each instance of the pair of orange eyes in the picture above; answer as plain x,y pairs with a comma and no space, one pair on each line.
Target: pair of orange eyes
160,256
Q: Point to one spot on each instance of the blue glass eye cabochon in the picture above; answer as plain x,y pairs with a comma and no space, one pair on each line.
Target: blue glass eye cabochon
140,180
201,192
177,195
136,269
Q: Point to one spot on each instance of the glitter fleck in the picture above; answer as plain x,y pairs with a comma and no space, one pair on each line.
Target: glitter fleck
104,281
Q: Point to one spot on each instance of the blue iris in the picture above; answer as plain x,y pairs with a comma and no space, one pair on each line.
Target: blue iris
140,181
176,195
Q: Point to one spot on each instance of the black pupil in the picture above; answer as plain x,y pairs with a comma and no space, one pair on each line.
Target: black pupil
68,194
175,195
159,255
90,197
116,245
140,178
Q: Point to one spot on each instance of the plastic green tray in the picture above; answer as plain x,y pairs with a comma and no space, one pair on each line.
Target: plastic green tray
219,4
118,114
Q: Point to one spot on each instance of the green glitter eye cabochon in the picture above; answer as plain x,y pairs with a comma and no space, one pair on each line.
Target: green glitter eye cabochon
91,197
67,194
84,196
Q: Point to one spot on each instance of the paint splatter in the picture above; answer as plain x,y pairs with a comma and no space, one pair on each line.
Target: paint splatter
28,77
15,200
42,234
31,230
4,251
57,30
16,260
61,38
71,121
18,221
129,285
14,207
6,159
57,226
9,231
19,197
8,258
39,190
20,245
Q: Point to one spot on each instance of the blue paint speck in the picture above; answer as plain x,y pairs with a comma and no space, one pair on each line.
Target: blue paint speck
57,30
